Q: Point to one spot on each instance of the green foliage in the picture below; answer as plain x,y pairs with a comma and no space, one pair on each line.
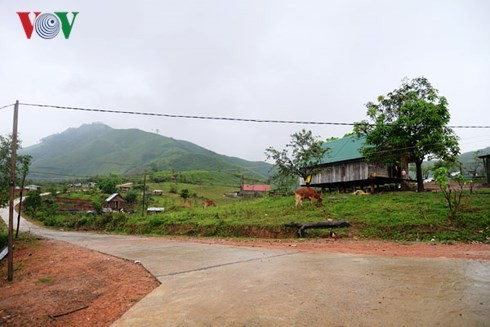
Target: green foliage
199,177
173,189
300,154
392,216
97,206
185,194
52,189
3,235
411,122
49,207
452,194
131,197
108,184
21,169
32,203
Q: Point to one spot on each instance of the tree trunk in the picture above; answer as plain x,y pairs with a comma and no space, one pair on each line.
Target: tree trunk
420,178
20,204
321,224
18,216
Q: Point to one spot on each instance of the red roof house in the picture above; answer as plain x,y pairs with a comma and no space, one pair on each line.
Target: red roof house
254,189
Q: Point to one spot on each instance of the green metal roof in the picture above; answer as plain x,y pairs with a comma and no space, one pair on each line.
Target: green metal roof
347,148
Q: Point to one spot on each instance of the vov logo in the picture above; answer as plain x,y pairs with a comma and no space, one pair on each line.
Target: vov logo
47,25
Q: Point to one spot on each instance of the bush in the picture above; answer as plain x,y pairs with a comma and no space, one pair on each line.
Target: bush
3,238
452,195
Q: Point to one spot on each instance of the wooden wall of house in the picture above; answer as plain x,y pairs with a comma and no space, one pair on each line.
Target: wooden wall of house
349,172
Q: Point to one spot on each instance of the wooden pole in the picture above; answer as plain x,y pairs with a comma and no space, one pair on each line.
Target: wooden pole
144,195
10,264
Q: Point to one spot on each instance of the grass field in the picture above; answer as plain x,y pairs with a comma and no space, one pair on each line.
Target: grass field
400,216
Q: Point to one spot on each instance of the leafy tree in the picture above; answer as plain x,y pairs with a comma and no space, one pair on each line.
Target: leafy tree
185,194
410,122
5,167
131,197
97,206
299,156
109,183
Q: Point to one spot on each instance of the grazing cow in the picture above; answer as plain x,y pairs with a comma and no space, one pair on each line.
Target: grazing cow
306,193
185,205
208,203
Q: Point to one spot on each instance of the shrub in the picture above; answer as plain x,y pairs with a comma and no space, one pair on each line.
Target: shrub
452,195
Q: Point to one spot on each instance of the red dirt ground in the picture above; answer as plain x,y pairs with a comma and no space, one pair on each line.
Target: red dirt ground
53,277
475,251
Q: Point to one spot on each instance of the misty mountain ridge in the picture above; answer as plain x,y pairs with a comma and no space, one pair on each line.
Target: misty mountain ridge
98,149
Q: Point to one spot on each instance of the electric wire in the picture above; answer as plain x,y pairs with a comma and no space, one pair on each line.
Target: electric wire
251,120
6,106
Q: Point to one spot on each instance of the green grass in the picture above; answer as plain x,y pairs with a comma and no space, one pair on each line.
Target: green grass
401,216
45,280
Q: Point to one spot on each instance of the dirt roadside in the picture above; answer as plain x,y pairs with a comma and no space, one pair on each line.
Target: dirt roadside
476,251
54,277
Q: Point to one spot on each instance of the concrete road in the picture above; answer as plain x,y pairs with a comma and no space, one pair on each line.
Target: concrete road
213,285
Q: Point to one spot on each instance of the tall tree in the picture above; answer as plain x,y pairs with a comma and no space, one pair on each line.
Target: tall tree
5,166
410,122
298,157
108,184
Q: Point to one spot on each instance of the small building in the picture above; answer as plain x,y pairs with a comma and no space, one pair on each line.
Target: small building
154,209
125,187
343,166
32,188
486,166
254,190
114,202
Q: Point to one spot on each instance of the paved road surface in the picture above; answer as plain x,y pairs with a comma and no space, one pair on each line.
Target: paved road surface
213,285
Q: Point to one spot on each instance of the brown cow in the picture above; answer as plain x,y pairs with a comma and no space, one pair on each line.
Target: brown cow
306,193
208,203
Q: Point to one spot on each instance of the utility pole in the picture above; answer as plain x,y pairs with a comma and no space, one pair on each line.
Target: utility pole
144,195
10,264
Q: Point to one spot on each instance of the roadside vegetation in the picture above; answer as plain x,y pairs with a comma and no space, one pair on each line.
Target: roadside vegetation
397,216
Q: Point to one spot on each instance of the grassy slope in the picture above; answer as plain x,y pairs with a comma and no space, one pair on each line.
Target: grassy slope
394,216
98,149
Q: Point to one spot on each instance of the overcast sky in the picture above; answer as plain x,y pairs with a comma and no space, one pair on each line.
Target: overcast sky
288,60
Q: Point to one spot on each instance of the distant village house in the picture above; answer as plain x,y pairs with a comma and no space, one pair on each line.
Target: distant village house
114,202
125,187
254,190
29,188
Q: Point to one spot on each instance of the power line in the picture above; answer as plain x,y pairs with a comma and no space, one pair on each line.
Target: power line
251,120
6,106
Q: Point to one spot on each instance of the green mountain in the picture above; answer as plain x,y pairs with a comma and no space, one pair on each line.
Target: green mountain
97,149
